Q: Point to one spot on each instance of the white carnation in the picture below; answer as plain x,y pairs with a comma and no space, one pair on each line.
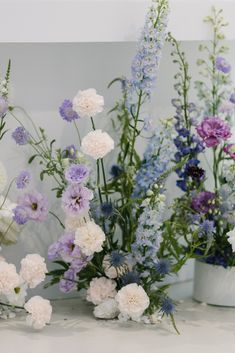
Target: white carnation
9,279
89,238
101,289
132,301
33,270
97,144
231,238
72,223
8,230
108,309
88,103
3,177
40,311
17,297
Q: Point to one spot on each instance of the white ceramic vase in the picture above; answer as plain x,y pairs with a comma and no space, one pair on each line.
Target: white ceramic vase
214,284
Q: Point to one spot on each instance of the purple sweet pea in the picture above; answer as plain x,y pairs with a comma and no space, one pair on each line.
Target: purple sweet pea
203,202
77,173
213,130
35,204
67,112
3,106
75,199
23,179
222,65
21,136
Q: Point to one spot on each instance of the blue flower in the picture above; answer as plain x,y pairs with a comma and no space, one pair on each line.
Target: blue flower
207,228
163,266
69,152
23,179
130,277
67,112
117,259
167,306
107,209
116,171
20,215
21,136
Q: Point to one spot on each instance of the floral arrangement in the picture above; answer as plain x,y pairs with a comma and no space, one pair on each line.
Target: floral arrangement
204,214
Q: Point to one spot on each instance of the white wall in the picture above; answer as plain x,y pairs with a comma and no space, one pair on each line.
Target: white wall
43,75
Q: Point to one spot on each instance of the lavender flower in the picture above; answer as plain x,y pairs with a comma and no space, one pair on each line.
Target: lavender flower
203,202
232,98
207,228
77,173
3,106
23,179
35,204
222,65
67,112
20,215
21,136
64,248
68,283
70,152
213,130
75,199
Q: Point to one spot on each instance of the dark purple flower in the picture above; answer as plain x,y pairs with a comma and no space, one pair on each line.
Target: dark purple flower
116,171
77,173
23,179
68,283
75,199
213,130
222,65
230,150
203,202
35,204
232,98
196,173
21,136
3,106
67,112
70,152
20,215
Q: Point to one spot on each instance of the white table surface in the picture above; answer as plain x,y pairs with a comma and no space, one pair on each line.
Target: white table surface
204,329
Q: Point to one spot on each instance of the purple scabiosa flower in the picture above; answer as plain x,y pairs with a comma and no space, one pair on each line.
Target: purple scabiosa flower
107,209
163,266
116,171
222,65
75,199
3,106
232,98
203,202
23,179
77,173
20,215
35,204
213,130
167,306
68,283
21,136
70,152
230,150
130,277
67,112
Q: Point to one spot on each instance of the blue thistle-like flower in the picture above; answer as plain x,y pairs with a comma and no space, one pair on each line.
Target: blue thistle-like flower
116,171
130,277
107,209
163,266
117,259
167,306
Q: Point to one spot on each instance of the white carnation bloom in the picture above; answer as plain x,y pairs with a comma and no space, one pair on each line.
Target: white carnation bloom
3,177
9,278
89,238
231,238
101,289
88,103
40,311
17,297
72,223
33,270
97,144
132,301
108,309
8,230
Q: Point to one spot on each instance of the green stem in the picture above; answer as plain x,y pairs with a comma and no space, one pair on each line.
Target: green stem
92,123
7,193
5,233
104,179
78,133
54,215
135,127
12,306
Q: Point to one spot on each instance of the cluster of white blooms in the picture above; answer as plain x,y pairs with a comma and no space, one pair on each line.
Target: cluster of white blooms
231,238
13,290
88,103
89,238
130,302
97,144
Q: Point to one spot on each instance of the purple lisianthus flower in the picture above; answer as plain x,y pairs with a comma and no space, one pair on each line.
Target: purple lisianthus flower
213,130
75,199
20,215
68,283
232,98
222,65
203,202
35,204
67,112
230,150
3,106
23,179
77,173
64,248
70,152
21,136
